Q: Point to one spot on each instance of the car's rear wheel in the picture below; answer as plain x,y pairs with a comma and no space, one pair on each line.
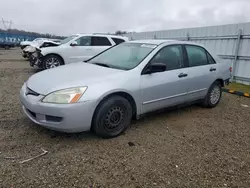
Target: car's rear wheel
52,61
112,117
213,96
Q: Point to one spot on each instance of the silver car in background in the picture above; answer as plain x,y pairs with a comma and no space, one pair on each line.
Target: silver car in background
125,81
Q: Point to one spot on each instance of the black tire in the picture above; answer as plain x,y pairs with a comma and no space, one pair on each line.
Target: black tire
57,58
209,102
112,117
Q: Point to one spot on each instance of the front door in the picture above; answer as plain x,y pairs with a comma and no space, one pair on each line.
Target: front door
163,89
82,51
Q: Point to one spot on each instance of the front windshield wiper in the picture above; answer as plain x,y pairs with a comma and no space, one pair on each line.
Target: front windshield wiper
108,66
102,64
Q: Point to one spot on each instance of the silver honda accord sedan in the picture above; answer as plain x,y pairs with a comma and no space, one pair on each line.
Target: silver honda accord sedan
125,81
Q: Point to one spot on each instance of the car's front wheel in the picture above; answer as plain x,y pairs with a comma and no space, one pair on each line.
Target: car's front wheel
112,117
52,61
213,96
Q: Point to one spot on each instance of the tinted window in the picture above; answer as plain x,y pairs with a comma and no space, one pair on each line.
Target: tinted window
196,56
172,56
210,59
84,41
118,41
100,41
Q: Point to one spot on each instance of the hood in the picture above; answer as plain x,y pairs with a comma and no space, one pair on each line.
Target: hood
67,76
30,49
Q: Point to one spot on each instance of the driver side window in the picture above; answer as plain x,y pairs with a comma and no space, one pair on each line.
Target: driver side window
84,41
171,56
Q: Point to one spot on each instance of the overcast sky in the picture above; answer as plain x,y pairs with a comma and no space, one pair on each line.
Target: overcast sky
64,17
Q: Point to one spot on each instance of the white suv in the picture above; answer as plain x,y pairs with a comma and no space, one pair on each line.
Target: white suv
79,47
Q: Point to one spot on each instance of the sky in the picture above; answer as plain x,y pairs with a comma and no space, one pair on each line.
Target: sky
65,17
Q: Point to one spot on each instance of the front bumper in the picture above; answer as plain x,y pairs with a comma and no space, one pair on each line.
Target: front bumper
36,59
25,54
70,118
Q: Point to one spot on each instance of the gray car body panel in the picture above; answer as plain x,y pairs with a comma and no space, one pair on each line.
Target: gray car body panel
150,92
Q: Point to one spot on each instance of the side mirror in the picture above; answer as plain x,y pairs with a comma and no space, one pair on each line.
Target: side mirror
155,67
74,43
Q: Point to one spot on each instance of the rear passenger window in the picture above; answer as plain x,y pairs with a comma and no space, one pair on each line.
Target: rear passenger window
172,56
210,59
196,56
118,41
100,41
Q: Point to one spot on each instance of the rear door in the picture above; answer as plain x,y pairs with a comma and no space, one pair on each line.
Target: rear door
201,72
80,52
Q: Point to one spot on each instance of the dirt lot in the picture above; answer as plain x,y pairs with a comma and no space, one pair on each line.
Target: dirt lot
190,147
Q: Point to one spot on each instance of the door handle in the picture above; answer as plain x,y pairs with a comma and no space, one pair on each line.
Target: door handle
182,75
88,49
212,69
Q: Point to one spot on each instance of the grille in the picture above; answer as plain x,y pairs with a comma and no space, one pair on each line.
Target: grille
31,92
53,118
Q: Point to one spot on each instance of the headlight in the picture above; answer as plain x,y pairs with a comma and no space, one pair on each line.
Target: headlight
32,49
65,96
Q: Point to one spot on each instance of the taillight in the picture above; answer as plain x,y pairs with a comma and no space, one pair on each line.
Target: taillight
231,69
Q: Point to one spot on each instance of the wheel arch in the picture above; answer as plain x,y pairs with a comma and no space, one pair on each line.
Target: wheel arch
55,54
221,81
123,94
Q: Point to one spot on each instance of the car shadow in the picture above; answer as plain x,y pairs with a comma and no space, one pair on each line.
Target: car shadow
90,135
37,70
73,136
169,111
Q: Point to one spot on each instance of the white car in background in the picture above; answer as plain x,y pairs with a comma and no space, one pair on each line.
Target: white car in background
29,50
26,43
78,47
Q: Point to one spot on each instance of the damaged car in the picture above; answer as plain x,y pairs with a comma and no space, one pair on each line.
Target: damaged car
29,50
75,48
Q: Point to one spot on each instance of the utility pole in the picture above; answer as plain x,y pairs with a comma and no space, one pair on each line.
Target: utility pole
7,24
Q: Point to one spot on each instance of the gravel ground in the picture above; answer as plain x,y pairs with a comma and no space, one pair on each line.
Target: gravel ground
189,147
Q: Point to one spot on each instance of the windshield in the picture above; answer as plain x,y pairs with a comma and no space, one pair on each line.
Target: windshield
64,41
124,56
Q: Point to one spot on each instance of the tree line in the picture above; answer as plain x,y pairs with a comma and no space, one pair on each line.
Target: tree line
47,35
28,33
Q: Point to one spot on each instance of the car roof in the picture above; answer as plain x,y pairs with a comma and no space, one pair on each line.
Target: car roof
159,42
101,35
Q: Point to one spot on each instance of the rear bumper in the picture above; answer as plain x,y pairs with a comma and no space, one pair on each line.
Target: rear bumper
227,81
